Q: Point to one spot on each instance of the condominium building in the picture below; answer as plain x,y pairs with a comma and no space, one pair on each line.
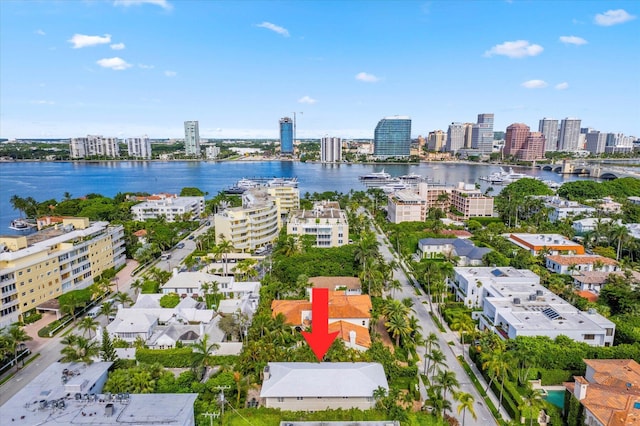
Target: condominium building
455,137
191,138
523,144
287,193
392,137
514,303
94,146
468,135
596,142
549,128
436,195
569,138
406,206
255,224
71,394
482,134
436,140
172,207
139,147
618,143
469,201
560,209
41,266
330,150
327,223
212,152
286,135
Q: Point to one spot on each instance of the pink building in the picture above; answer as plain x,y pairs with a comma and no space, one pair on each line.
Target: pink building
523,144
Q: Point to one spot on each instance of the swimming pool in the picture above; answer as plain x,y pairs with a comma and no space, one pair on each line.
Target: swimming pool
556,397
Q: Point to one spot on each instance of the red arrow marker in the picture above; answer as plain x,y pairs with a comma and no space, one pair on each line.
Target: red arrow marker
319,339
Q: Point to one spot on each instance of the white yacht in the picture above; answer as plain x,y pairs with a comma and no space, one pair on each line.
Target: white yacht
376,177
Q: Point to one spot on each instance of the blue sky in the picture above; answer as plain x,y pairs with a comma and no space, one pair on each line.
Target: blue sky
134,67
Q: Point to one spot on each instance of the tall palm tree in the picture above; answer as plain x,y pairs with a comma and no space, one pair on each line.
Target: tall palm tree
108,309
430,342
136,286
203,353
123,298
431,274
463,324
466,401
88,324
224,247
398,327
79,349
16,336
619,233
448,382
437,359
532,399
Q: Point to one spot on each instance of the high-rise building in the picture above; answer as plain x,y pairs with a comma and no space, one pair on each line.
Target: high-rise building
596,142
534,147
330,150
468,134
482,134
569,139
549,128
436,140
456,137
139,147
618,142
392,137
94,146
191,138
515,139
286,135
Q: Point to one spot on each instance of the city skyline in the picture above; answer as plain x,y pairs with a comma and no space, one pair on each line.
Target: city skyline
129,68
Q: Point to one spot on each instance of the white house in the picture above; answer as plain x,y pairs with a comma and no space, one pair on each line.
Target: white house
578,263
190,283
307,386
589,224
172,207
463,249
560,209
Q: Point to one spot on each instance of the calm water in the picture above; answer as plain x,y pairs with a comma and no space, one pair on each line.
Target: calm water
43,180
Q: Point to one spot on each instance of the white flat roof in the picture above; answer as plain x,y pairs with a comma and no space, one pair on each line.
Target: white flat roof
325,379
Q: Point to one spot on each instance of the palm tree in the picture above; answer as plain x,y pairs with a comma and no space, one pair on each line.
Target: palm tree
466,401
79,349
435,400
464,324
431,273
437,359
398,327
448,382
108,309
16,336
394,285
202,353
620,233
123,298
88,324
497,363
136,286
429,342
222,249
532,399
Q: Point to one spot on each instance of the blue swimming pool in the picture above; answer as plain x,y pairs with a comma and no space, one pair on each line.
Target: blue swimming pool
556,397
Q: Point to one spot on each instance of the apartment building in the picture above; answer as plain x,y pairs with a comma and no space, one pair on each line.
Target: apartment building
560,209
255,224
287,193
94,146
42,266
172,207
406,206
514,303
469,201
326,222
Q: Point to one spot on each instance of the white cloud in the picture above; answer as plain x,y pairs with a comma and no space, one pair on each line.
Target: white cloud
367,78
307,100
42,102
146,67
126,3
81,40
40,32
276,28
116,63
117,46
535,84
515,49
562,86
170,73
613,17
573,40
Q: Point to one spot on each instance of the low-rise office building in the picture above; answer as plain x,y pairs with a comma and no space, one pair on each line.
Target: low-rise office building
71,394
171,207
39,267
326,223
515,304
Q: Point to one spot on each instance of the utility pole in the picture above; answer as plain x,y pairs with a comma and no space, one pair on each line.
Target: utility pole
221,396
211,416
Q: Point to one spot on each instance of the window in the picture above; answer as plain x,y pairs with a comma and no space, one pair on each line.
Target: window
609,331
299,398
280,399
589,336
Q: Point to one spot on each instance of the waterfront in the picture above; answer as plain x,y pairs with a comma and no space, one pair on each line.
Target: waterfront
47,180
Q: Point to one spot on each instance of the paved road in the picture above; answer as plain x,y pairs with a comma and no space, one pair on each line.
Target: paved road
484,416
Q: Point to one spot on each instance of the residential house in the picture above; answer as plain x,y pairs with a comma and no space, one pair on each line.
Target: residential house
582,226
609,392
593,281
466,253
71,394
354,309
191,283
515,304
350,285
609,206
564,264
560,209
310,386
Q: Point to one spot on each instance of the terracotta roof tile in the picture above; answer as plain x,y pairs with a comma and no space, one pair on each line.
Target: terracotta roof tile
340,306
352,283
343,327
581,260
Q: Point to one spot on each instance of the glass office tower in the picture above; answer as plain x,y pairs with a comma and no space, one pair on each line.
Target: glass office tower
392,137
286,135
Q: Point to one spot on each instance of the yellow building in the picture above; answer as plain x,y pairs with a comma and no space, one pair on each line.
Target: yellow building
255,224
326,223
288,195
41,266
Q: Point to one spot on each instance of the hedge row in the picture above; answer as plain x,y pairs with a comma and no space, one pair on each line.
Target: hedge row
555,376
177,357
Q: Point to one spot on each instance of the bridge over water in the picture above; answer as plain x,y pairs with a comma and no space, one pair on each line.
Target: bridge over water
594,170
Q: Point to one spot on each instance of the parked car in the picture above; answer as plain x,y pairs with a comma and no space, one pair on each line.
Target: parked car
180,245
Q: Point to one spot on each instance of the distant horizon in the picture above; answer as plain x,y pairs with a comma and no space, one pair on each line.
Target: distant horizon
129,68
